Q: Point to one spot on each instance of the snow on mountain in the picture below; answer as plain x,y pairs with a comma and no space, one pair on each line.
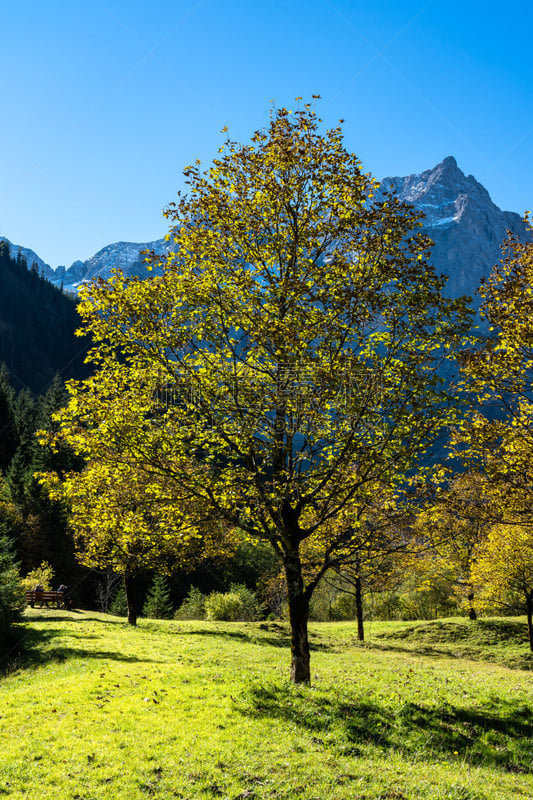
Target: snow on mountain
126,256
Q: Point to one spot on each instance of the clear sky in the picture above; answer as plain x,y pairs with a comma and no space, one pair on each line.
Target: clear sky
104,102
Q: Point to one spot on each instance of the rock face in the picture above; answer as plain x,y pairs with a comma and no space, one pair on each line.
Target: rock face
120,255
463,222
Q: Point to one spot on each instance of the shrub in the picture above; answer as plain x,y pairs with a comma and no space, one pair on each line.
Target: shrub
158,604
223,606
193,607
385,605
238,604
273,592
44,575
343,607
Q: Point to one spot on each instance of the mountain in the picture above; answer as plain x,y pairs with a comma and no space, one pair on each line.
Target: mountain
461,219
126,256
31,257
37,321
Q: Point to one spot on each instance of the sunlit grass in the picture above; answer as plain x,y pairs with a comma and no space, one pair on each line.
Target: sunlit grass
202,710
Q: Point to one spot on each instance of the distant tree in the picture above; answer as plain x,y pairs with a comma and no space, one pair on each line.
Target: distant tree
43,534
106,589
122,520
8,431
119,604
42,575
193,607
10,515
285,362
38,324
371,571
504,569
19,472
378,535
454,525
12,600
496,439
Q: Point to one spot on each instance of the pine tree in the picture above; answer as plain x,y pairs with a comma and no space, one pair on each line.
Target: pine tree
11,591
158,604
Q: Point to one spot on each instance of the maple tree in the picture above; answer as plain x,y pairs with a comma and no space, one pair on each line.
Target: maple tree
124,518
282,363
453,525
378,536
504,569
497,437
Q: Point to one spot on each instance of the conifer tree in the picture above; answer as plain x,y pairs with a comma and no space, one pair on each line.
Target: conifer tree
158,604
11,591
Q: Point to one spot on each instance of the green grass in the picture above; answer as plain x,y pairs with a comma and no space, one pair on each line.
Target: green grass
96,709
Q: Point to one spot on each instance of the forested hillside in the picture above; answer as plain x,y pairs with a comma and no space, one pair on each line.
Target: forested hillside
37,324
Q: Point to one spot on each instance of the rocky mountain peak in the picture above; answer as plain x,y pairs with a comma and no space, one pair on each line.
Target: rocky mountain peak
442,193
467,228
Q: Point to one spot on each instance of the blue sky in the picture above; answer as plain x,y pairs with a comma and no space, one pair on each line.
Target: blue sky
105,101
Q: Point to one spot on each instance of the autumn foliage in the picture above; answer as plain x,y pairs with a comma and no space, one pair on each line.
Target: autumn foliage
281,371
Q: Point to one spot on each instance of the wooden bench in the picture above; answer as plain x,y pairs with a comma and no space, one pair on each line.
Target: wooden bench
44,596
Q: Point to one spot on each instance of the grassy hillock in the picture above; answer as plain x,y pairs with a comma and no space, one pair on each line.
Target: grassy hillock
502,641
95,709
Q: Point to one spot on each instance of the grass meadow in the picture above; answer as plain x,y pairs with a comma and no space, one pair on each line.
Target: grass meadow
95,709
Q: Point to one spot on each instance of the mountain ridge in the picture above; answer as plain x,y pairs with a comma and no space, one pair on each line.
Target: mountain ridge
466,226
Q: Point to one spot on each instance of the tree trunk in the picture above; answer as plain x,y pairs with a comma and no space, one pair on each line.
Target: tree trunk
129,586
529,611
471,611
359,609
298,618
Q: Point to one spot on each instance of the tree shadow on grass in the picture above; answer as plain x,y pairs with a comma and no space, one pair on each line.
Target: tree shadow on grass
522,661
280,639
33,648
73,615
499,736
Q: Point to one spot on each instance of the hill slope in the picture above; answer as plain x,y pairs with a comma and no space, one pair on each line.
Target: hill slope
37,324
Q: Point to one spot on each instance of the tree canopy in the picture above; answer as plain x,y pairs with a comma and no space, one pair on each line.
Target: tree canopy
497,437
282,371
